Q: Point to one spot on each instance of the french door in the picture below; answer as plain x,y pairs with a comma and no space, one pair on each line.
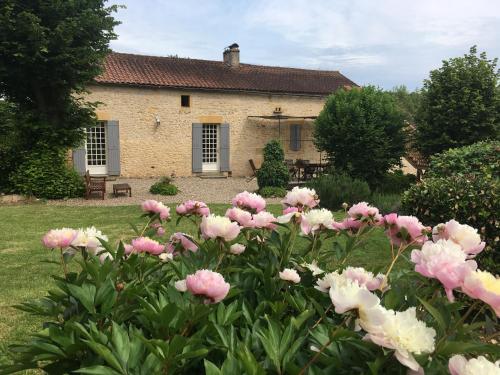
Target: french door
210,147
96,156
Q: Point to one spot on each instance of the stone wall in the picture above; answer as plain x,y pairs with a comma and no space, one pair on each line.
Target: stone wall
148,150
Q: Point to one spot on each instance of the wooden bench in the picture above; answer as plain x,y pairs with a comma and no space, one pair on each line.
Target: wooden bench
94,184
254,170
122,188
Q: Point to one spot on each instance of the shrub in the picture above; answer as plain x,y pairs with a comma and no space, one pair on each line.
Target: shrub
333,190
472,200
156,308
44,173
361,131
272,192
273,171
164,187
385,202
395,182
480,158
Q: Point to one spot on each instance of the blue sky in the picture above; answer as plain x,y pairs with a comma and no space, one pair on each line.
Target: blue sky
380,42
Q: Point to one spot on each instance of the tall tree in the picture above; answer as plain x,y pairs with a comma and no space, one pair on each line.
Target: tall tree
49,51
407,101
460,104
361,130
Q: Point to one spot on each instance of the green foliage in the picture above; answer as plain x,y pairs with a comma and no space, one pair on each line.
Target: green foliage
10,144
272,192
386,202
361,130
472,200
407,102
164,187
460,104
44,173
49,52
395,182
481,158
273,171
335,189
125,316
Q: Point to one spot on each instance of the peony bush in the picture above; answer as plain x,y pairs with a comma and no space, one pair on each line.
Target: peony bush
237,295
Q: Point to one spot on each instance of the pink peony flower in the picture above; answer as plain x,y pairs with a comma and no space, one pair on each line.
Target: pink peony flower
237,249
129,249
300,198
364,277
61,238
363,211
219,227
181,240
445,261
458,365
160,231
405,230
264,219
290,213
462,234
147,245
291,275
347,224
154,207
191,207
484,286
209,284
249,201
242,217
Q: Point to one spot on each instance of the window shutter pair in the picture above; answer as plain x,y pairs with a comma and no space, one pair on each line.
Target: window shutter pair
295,141
197,145
113,151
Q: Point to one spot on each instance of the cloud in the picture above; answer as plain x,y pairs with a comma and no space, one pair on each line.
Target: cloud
382,42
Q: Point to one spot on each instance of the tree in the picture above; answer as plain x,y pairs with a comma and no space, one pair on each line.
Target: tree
460,104
361,130
273,171
407,101
49,51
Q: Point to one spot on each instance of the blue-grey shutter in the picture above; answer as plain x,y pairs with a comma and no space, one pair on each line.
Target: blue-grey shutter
79,162
113,145
224,148
197,148
295,137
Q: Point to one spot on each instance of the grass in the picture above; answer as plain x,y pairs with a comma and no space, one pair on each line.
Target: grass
25,273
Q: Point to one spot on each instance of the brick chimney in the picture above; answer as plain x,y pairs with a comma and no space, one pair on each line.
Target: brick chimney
231,55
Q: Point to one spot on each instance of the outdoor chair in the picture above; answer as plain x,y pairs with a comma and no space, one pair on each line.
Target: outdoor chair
254,170
94,184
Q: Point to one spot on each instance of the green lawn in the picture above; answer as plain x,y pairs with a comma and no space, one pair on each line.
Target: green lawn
24,275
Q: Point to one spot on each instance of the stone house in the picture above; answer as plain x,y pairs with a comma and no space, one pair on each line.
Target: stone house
167,115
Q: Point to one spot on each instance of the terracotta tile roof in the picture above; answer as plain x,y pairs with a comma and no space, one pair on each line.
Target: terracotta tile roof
139,70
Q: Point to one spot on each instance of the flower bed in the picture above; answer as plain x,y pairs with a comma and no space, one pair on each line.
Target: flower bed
237,296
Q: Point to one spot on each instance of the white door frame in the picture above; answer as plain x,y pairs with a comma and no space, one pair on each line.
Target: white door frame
210,141
96,153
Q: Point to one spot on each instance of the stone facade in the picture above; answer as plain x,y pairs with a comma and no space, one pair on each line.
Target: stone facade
148,149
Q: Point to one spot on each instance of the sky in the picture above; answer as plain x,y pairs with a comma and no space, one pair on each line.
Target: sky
379,42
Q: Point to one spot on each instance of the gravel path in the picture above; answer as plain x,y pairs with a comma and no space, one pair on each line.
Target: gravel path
206,190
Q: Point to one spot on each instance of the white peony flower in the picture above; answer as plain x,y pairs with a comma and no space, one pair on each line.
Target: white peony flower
289,274
324,284
165,257
404,333
181,285
458,365
462,234
315,220
313,267
89,239
237,248
105,255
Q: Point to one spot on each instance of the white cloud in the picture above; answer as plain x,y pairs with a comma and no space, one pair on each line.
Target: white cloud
362,23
